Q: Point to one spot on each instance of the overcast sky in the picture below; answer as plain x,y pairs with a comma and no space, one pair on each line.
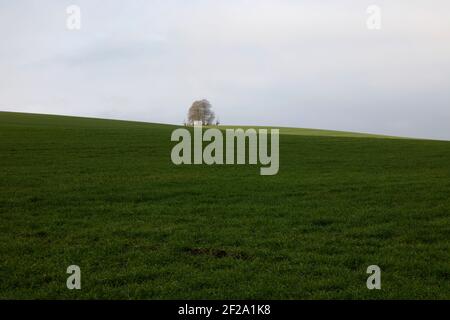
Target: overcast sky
285,63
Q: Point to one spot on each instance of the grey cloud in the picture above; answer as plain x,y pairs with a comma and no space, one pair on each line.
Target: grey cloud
305,64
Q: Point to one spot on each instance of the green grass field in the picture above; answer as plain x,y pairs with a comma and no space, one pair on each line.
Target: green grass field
104,195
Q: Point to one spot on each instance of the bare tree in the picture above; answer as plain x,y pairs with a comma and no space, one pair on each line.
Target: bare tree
201,111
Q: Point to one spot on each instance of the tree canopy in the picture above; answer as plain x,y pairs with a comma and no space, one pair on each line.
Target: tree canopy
201,111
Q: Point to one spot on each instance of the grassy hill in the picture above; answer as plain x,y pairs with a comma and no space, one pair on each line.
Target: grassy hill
317,132
104,195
